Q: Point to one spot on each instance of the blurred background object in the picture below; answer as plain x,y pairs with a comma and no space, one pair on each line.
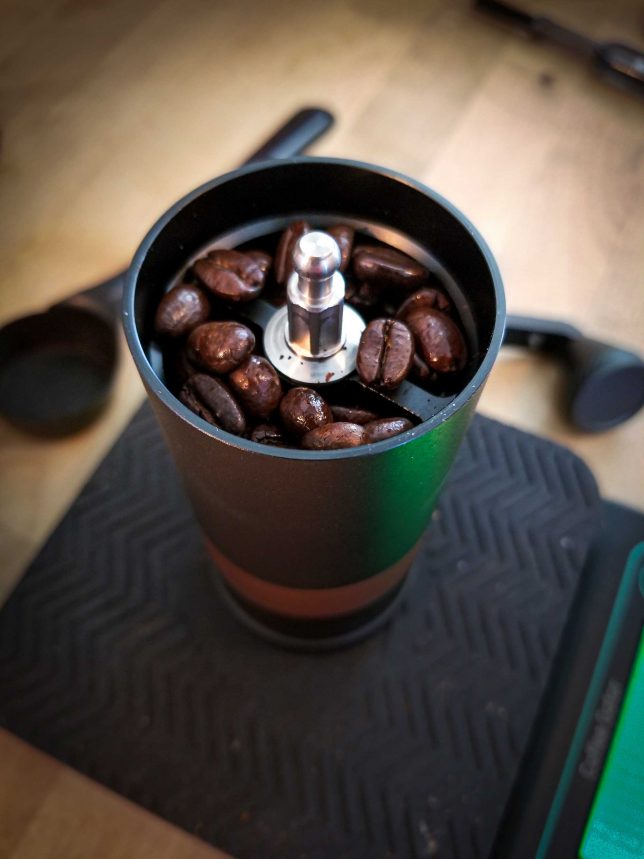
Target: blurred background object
110,111
620,64
604,383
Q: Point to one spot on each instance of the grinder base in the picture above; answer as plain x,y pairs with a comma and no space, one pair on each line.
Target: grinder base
313,635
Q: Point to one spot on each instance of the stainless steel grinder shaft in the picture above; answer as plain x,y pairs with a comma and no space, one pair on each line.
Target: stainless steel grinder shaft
314,339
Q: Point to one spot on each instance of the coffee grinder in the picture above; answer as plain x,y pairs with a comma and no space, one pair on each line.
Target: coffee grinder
312,548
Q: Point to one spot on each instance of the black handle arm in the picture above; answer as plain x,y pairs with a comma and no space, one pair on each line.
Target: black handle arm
296,135
292,138
539,335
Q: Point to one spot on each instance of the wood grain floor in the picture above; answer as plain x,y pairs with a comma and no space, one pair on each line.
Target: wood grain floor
109,111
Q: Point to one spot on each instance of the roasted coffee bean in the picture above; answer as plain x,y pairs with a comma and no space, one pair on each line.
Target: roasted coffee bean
424,299
439,340
388,267
303,409
334,436
353,414
211,400
180,310
344,237
364,296
257,386
385,353
230,275
268,434
219,347
245,266
263,260
222,283
284,254
385,428
190,399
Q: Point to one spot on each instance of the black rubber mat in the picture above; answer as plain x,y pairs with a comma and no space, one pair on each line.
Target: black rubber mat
117,657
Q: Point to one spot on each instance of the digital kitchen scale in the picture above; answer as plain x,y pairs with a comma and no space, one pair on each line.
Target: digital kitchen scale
580,792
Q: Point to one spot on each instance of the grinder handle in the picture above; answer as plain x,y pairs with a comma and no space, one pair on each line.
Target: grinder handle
291,138
296,135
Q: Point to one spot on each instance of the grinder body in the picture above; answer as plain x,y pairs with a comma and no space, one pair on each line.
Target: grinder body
314,544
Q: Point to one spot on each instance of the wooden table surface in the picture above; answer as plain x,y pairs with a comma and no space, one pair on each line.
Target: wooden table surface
111,111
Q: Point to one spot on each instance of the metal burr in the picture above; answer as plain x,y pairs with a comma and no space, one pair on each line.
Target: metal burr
314,339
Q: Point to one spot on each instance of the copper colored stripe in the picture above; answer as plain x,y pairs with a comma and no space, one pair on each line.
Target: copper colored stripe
311,603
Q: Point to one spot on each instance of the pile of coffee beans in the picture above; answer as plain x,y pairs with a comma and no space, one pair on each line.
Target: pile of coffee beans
213,359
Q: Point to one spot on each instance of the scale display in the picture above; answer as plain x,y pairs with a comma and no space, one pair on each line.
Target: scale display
598,807
615,828
580,793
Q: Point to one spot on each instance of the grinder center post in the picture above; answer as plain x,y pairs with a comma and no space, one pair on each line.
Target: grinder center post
314,339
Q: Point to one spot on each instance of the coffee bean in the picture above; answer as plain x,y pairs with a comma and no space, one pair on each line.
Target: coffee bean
284,254
268,434
334,436
303,409
424,299
190,399
230,275
245,266
211,400
263,260
353,414
364,296
388,267
385,428
180,310
219,347
385,353
222,283
344,237
257,386
439,339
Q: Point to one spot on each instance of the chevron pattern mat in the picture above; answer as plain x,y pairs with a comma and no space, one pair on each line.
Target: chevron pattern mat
117,657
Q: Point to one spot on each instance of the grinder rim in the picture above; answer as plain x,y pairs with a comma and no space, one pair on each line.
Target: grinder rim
160,390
